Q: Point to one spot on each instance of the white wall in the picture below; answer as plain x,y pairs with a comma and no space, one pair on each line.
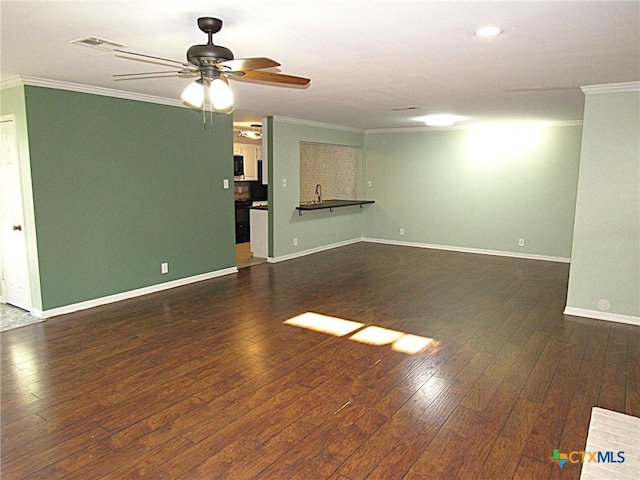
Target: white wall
604,280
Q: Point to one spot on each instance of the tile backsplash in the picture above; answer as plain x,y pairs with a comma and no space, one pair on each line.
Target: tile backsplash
241,190
337,168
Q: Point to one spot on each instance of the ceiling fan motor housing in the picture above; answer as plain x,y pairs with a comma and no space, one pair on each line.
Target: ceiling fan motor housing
208,55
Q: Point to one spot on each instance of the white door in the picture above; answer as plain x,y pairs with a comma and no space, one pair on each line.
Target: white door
16,288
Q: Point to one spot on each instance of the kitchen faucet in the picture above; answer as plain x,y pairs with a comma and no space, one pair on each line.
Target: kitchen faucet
319,193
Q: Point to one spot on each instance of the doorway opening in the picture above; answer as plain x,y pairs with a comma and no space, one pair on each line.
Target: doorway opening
251,200
245,257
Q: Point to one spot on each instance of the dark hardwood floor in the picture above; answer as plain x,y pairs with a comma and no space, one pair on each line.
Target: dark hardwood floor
206,381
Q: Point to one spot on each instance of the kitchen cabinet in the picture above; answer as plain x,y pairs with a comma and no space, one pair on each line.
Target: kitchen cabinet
251,154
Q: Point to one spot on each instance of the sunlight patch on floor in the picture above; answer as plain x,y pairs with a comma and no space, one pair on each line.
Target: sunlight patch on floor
411,344
372,335
369,334
337,327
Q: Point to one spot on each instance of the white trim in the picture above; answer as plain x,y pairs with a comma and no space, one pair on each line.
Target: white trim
611,88
480,251
471,126
310,251
132,293
414,129
76,87
10,82
598,315
311,123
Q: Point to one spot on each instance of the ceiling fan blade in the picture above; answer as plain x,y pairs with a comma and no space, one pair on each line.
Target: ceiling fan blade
145,73
143,55
243,64
270,77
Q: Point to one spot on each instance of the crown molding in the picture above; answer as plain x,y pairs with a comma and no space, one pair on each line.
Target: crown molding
77,87
413,129
611,88
311,123
550,123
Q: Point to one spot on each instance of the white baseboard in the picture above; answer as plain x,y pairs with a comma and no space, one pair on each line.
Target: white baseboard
529,256
598,315
303,253
480,251
206,276
96,302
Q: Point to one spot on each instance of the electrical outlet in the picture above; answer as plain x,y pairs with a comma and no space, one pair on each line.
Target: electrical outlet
521,242
402,231
225,183
284,182
164,267
295,241
369,183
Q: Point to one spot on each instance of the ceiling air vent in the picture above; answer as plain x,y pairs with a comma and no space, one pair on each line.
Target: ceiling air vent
98,43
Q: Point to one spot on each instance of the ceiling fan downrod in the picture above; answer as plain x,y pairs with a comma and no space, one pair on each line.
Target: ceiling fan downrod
209,54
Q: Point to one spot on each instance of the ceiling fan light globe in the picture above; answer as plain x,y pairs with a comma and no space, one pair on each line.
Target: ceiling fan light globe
193,95
221,96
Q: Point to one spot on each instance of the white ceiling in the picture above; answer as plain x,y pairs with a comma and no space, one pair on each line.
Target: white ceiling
364,57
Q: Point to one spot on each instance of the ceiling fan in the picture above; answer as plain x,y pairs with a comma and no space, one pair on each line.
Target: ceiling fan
214,64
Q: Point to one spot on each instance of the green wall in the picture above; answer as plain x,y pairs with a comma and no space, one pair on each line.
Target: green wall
313,229
121,186
606,248
479,189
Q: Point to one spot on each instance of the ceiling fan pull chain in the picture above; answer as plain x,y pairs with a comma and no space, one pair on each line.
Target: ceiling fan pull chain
205,100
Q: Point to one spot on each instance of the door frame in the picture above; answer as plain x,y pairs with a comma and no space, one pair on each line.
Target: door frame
20,193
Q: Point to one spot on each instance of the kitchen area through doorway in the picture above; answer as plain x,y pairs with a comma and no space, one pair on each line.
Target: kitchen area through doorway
251,199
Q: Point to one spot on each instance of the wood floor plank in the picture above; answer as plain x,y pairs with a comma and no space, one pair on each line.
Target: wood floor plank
482,435
291,464
270,451
632,403
49,450
592,364
528,358
530,469
206,381
381,442
218,463
482,391
324,463
504,457
550,422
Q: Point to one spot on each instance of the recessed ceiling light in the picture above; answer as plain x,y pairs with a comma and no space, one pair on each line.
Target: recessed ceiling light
441,119
488,31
